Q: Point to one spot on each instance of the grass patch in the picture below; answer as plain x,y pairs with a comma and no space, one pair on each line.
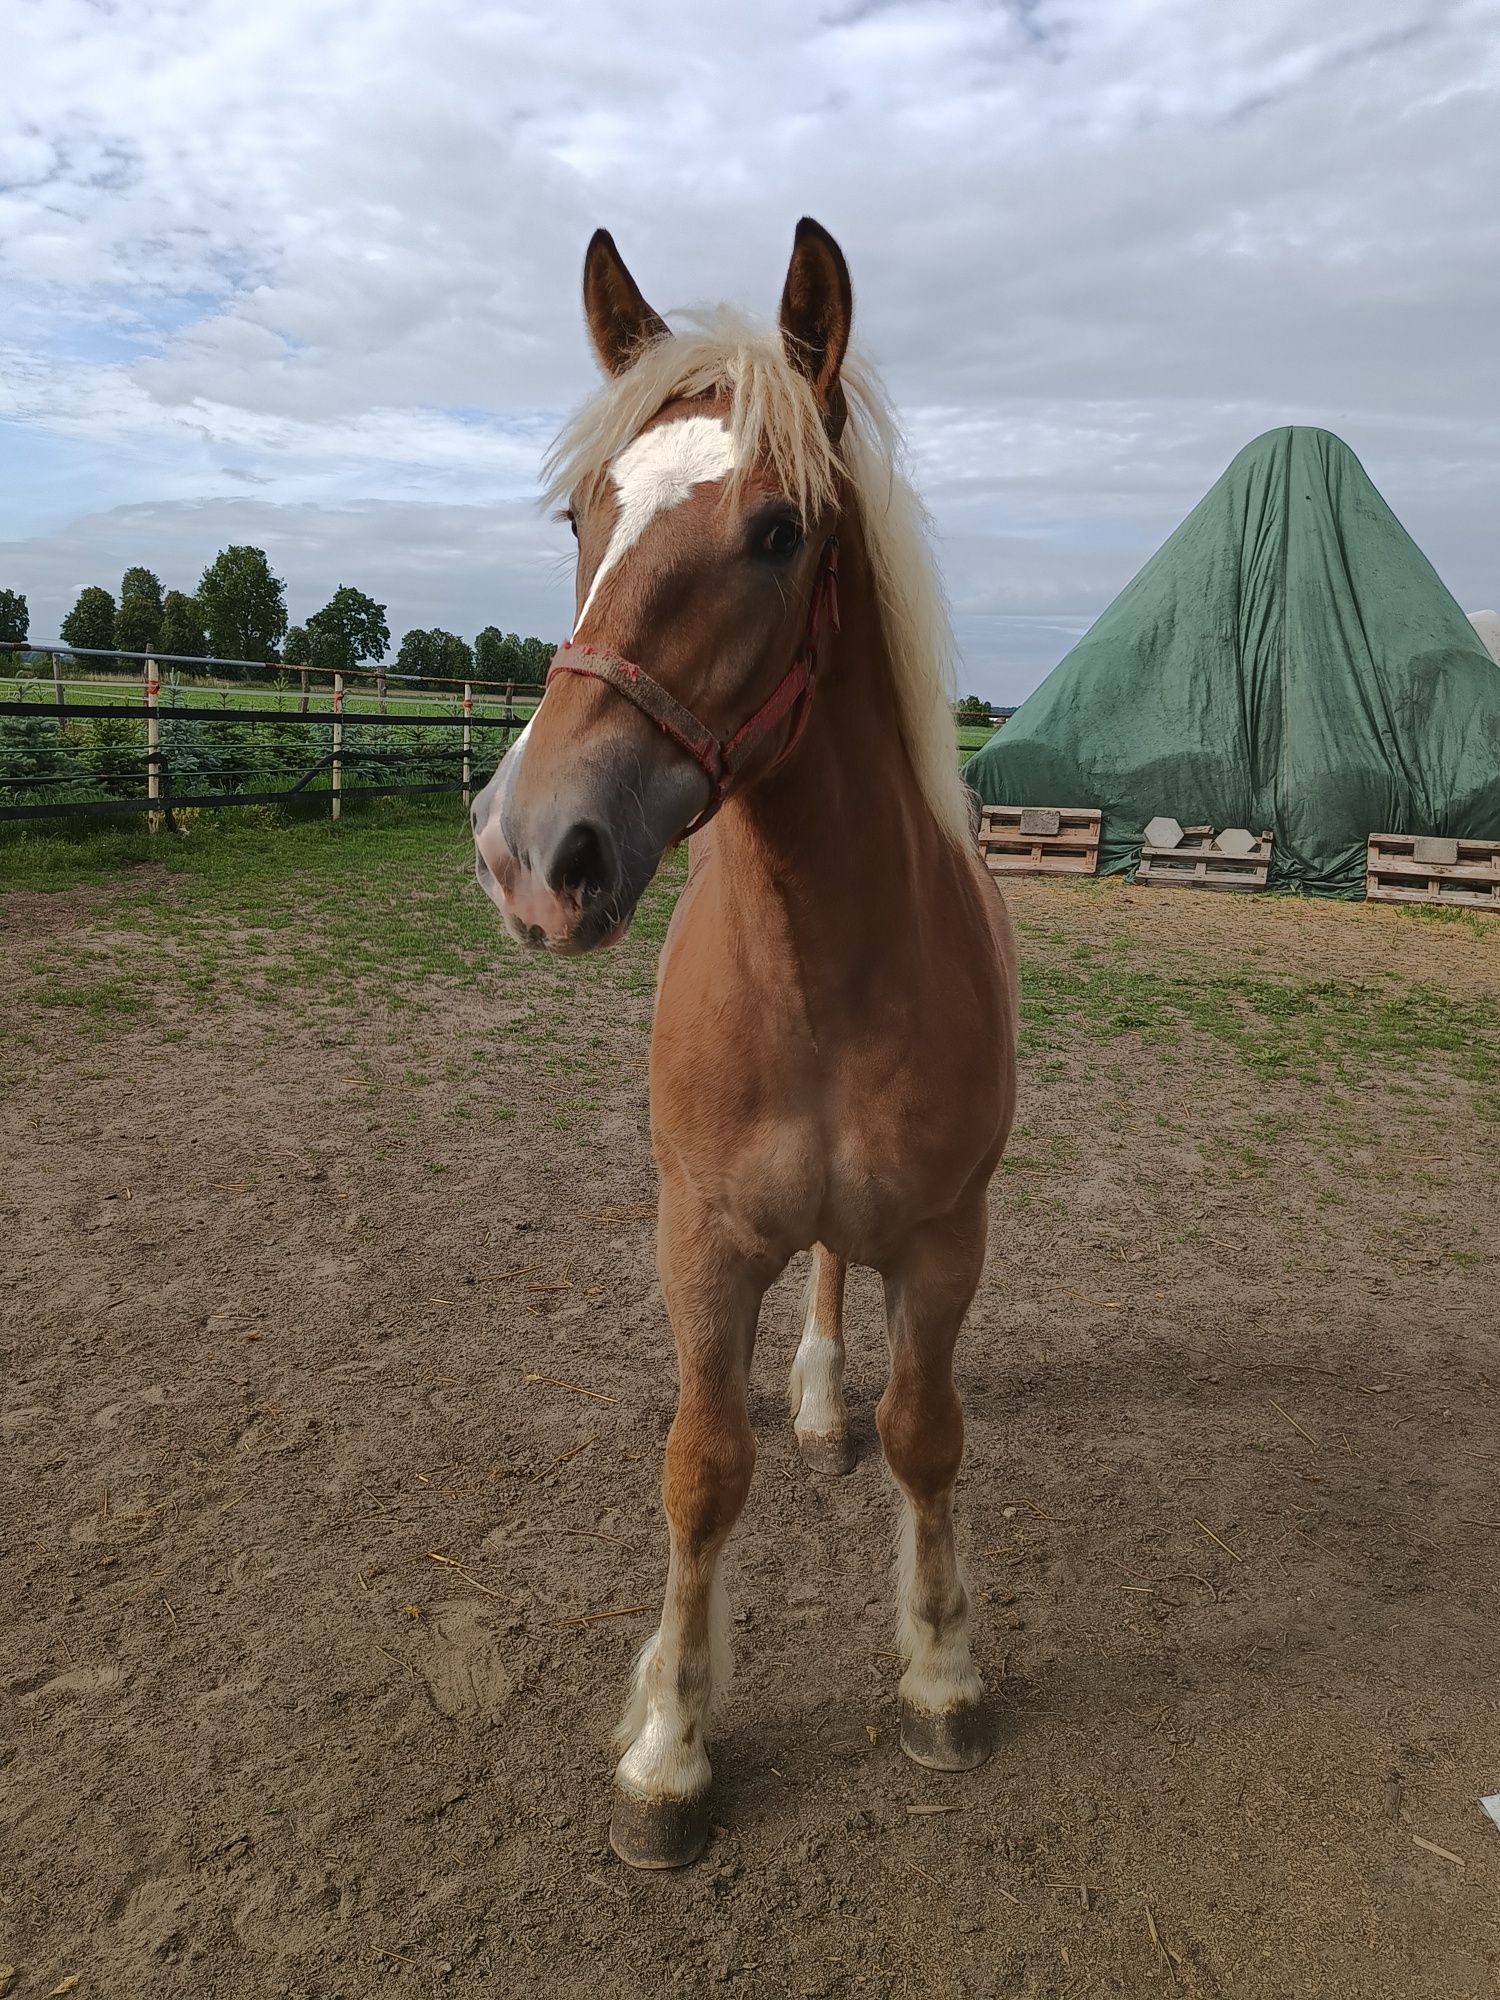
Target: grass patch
309,918
302,917
1481,925
1299,1027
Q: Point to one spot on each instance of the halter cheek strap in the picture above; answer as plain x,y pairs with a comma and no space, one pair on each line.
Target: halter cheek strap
721,759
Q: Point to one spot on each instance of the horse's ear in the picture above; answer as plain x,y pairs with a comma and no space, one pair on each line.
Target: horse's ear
817,308
620,321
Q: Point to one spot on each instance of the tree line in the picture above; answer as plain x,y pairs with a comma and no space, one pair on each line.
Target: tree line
238,612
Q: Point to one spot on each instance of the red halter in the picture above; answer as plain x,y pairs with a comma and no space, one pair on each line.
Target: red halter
721,759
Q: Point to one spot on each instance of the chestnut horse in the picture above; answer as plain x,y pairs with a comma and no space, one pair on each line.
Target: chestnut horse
762,659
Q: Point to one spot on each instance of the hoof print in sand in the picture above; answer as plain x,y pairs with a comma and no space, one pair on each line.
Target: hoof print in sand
463,1665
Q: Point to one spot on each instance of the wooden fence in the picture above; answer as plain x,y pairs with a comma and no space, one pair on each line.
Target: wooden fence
479,715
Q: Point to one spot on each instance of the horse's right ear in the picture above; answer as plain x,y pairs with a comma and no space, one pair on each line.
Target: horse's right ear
620,321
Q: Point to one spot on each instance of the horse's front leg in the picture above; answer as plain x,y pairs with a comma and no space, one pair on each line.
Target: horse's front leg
928,1286
713,1295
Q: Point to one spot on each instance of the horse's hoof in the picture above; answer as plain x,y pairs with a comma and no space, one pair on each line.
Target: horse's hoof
658,1833
958,1740
831,1455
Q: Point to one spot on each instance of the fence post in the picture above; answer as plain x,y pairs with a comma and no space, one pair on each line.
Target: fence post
468,711
336,773
302,698
380,685
153,742
510,707
57,682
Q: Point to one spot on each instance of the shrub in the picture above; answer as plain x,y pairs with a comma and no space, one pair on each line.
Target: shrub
112,748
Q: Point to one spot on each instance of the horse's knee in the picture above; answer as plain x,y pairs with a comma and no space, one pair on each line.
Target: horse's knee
710,1461
921,1430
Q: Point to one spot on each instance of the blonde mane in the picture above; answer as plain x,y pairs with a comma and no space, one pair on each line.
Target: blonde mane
775,416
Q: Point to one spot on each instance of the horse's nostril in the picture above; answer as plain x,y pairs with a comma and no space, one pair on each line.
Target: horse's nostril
583,864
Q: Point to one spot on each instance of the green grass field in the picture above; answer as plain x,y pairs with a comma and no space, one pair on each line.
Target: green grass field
284,700
271,699
384,901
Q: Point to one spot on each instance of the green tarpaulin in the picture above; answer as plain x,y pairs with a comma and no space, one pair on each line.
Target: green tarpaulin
1288,660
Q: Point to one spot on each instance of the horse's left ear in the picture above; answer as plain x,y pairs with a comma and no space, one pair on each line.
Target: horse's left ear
817,309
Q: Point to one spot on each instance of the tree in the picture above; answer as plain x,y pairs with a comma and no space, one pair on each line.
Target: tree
33,753
536,657
434,655
182,632
506,656
91,622
495,655
297,651
243,605
138,620
15,619
351,627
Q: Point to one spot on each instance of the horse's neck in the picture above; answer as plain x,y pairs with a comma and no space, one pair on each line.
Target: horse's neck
839,834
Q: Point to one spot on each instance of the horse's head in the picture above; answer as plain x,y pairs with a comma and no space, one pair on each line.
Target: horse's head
704,574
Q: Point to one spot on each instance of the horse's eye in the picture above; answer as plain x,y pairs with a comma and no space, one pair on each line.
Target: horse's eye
782,538
573,523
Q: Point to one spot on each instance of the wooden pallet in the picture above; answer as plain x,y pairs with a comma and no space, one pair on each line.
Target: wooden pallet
1039,840
1418,868
1195,864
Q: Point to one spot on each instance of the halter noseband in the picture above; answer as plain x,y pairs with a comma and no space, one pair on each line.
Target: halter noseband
721,759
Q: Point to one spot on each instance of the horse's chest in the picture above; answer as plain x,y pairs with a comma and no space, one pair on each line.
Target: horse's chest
805,1104
841,1146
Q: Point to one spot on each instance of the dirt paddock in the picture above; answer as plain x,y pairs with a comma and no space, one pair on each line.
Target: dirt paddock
335,1382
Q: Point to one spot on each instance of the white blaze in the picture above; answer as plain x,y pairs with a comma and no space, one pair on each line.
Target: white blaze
657,470
491,799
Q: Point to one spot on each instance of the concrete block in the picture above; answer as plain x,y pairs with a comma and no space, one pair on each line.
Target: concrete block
1036,820
1236,840
1429,848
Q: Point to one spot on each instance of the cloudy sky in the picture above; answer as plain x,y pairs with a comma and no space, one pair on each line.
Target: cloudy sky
305,274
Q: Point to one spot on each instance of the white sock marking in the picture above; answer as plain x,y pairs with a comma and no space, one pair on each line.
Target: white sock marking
659,469
940,1673
659,1760
815,1389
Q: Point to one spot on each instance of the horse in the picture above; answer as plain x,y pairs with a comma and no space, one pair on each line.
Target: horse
761,662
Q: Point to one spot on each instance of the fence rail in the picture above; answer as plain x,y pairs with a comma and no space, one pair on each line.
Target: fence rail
40,765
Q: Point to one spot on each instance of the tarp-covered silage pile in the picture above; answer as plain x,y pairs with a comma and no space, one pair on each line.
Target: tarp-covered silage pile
1288,660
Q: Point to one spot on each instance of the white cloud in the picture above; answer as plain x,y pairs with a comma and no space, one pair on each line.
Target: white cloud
461,567
321,257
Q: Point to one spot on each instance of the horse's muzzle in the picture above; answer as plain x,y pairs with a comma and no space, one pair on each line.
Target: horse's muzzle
568,900
566,839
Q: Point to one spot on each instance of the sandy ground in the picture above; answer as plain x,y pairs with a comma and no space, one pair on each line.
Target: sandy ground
331,1423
